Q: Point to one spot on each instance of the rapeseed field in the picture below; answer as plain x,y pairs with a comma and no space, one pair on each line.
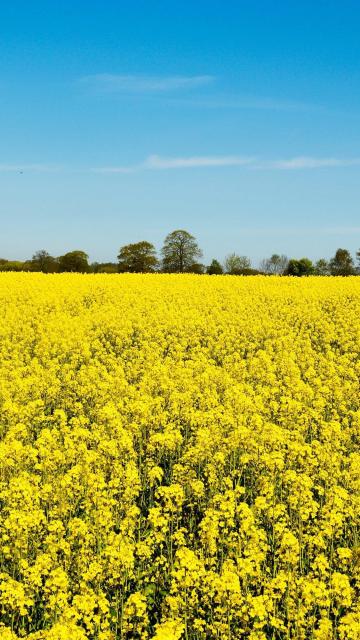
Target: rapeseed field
179,457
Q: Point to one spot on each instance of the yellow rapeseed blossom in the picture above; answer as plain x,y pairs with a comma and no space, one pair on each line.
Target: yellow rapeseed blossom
179,457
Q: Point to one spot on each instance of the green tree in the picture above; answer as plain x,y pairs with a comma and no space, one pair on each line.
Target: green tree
248,271
358,260
235,265
342,263
43,261
321,267
275,265
214,268
302,267
196,267
179,252
139,257
76,261
104,267
12,265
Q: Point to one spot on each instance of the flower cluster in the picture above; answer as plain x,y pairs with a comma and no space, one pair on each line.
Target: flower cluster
179,457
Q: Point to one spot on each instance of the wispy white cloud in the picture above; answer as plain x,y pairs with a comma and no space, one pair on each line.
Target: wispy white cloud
308,162
118,83
141,83
132,83
162,163
159,162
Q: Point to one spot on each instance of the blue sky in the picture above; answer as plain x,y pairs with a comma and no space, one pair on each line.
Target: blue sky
121,121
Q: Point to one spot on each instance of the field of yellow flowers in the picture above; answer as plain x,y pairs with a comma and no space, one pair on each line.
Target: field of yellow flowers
179,457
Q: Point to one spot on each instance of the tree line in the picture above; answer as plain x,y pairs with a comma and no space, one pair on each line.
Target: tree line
181,254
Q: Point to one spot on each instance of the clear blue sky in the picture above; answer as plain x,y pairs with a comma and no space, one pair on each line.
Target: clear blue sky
121,121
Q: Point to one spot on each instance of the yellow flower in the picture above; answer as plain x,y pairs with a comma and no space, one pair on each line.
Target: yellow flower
169,630
179,457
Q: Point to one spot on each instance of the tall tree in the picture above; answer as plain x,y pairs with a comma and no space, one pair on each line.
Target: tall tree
275,265
139,257
43,261
76,261
214,268
302,267
321,267
235,264
180,251
358,260
342,263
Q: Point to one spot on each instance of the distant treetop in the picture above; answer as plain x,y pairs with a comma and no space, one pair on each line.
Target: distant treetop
139,257
180,251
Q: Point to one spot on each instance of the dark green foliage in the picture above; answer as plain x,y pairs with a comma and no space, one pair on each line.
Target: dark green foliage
179,252
196,267
139,257
74,261
104,267
43,261
246,272
302,267
342,263
358,260
321,268
12,265
214,268
235,264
